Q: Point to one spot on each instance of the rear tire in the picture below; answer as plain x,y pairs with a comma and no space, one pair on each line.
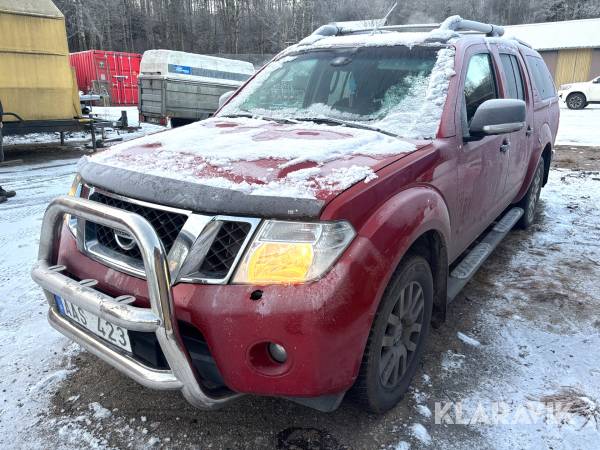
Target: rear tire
397,338
530,201
576,101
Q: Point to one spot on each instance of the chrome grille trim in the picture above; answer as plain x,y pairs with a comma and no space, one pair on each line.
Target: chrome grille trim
197,226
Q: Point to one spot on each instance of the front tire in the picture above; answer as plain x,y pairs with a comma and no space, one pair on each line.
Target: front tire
530,201
576,101
397,338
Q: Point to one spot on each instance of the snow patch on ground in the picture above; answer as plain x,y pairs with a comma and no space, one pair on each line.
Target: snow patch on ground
402,445
110,113
579,127
452,362
424,411
33,357
468,339
99,411
420,433
549,350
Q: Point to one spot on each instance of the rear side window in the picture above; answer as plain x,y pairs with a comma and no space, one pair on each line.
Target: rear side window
541,77
480,83
512,73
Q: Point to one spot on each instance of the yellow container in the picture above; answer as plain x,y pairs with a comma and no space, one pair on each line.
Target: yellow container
36,80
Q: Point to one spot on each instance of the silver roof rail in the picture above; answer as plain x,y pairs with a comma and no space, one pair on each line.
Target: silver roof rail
453,23
479,27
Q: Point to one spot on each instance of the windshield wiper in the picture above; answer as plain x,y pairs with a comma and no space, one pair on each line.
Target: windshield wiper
259,116
346,123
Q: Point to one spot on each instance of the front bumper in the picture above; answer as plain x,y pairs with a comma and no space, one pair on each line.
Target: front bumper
324,325
159,318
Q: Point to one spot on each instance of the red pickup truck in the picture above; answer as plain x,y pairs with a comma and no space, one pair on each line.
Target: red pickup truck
300,243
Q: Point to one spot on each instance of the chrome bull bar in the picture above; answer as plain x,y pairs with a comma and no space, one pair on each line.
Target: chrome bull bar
159,318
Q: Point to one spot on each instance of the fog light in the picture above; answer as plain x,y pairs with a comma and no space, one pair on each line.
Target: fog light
277,352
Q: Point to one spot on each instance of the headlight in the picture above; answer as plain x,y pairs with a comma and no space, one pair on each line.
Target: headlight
564,87
293,252
75,191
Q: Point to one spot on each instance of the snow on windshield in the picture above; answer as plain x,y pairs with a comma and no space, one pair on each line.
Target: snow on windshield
399,89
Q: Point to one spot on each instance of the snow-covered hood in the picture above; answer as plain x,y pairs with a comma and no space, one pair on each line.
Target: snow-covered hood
245,166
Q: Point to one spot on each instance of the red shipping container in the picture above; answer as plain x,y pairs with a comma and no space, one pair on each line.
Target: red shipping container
116,73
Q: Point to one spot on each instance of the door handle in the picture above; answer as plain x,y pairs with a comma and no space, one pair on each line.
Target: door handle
529,131
505,146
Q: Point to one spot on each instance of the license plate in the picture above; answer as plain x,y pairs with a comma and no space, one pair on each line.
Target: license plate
110,332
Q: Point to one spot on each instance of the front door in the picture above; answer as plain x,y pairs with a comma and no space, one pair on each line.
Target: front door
483,162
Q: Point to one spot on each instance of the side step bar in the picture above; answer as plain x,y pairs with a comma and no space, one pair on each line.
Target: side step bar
465,270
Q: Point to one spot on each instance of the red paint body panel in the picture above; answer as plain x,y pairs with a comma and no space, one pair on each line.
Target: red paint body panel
117,71
451,186
324,324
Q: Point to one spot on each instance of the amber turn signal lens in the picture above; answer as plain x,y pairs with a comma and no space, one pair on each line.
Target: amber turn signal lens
276,262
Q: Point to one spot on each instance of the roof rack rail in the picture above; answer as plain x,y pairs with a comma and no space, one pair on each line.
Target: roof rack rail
460,24
452,23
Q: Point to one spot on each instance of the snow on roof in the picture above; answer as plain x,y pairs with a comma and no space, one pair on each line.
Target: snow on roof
152,57
193,66
558,35
42,8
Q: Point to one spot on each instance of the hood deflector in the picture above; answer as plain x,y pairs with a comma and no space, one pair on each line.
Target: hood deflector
194,196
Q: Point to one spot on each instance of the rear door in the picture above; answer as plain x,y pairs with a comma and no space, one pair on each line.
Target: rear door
545,101
483,161
515,87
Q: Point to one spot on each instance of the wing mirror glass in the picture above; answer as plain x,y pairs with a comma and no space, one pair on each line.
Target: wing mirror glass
498,116
223,98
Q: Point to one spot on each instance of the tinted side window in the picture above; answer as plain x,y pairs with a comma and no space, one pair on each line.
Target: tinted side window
480,83
541,77
514,81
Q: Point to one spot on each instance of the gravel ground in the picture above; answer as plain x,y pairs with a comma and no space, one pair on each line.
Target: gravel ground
526,328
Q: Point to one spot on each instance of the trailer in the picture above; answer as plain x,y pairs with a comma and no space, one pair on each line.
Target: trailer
110,74
185,87
38,92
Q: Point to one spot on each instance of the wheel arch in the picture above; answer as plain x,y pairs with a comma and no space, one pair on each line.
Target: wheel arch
543,151
414,221
432,246
547,157
577,92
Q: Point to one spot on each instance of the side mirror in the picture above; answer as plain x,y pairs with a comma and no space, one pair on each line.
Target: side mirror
597,80
223,98
498,116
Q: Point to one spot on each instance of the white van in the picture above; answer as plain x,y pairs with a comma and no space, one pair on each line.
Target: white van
185,87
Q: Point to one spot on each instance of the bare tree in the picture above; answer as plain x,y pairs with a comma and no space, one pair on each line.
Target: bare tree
267,26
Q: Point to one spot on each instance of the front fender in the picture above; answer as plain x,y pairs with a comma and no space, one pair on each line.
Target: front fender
399,222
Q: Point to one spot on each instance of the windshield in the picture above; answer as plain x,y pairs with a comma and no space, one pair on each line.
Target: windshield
397,89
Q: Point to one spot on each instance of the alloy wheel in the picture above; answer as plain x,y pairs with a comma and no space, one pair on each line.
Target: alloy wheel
575,102
401,335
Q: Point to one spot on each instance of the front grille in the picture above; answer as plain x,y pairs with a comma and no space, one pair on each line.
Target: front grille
167,225
224,249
